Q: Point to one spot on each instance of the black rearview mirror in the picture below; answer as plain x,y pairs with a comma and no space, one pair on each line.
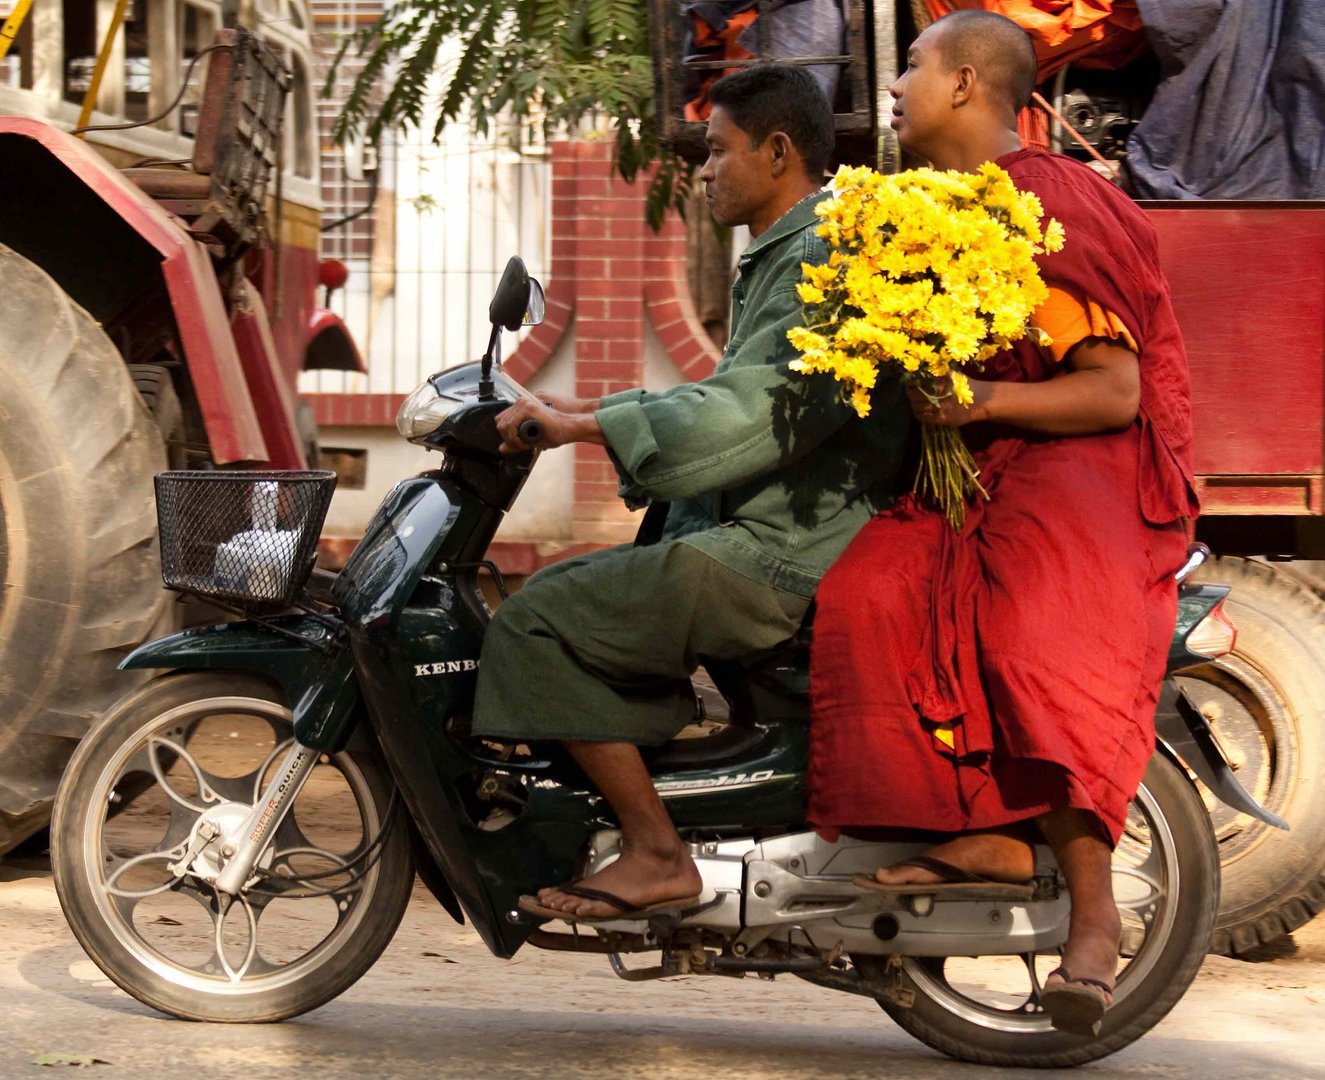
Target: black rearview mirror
518,300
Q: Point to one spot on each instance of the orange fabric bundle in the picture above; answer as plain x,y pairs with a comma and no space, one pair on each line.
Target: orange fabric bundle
722,45
1090,33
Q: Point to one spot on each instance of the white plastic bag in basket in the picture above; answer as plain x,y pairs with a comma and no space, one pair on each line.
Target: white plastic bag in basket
260,561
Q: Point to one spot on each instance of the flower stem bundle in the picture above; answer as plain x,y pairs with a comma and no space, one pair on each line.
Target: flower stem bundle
929,275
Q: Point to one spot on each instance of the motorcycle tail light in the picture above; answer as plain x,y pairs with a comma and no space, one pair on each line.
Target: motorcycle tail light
1214,636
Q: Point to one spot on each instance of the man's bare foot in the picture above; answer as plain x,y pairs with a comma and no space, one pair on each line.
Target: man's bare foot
993,855
639,878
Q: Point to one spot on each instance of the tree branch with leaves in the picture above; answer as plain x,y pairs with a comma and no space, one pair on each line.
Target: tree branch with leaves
551,60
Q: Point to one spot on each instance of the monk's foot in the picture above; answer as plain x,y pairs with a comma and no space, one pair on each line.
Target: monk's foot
1093,940
638,878
996,856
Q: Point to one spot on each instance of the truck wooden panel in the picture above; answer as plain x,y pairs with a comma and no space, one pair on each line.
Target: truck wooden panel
1248,284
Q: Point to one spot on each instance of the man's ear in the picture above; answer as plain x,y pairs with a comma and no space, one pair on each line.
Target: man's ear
963,86
779,152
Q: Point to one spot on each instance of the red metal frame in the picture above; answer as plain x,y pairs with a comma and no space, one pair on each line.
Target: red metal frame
243,389
272,394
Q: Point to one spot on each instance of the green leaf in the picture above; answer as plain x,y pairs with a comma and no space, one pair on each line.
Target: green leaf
559,60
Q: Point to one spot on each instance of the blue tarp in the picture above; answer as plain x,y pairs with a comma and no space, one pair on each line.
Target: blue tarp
1240,110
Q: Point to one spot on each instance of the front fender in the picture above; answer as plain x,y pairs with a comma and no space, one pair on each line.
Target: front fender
319,682
98,209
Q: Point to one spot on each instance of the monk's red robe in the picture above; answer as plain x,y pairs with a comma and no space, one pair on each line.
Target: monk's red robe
967,681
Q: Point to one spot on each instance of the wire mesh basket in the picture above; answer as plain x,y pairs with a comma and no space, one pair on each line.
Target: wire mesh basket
247,537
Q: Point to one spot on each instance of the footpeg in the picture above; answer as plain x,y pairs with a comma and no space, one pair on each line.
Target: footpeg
663,924
920,904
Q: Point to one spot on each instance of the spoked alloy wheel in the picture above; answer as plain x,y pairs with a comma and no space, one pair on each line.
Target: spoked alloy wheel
1166,884
183,757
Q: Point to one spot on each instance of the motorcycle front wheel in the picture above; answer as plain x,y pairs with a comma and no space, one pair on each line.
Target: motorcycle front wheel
131,867
1166,884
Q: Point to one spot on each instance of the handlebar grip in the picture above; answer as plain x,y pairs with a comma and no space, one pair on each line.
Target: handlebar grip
530,431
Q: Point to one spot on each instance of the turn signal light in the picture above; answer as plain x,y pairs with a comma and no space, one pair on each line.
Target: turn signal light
1214,636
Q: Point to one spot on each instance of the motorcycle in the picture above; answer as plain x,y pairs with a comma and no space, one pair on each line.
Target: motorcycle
237,840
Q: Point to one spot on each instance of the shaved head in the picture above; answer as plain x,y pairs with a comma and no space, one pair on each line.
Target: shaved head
998,49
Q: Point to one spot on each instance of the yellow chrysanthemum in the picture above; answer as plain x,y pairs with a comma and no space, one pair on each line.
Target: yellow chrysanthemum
961,388
927,272
1054,236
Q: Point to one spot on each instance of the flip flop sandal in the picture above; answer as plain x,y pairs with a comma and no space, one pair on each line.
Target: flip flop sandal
530,905
1076,1006
956,882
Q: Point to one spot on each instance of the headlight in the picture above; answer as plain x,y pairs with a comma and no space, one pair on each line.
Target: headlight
423,411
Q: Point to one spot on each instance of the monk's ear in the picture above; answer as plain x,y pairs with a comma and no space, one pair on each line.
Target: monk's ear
963,85
780,152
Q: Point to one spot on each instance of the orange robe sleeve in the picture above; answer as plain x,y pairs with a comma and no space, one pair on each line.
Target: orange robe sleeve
1069,320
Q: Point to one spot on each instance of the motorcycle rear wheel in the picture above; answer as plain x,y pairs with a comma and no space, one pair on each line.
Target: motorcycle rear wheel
1166,882
322,905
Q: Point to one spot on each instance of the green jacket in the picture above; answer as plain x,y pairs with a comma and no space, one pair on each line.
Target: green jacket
768,471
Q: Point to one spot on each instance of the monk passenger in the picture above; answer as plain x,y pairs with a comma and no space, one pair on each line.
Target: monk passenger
981,682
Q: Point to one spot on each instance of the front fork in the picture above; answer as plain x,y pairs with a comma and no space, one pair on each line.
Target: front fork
266,816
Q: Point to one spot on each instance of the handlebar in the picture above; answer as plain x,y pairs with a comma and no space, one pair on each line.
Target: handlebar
530,431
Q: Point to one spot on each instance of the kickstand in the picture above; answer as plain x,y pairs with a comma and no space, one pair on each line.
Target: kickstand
639,974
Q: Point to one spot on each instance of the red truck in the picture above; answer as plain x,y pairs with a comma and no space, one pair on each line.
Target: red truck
1248,283
158,304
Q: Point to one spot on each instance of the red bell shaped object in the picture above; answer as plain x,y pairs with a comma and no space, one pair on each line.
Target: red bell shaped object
332,274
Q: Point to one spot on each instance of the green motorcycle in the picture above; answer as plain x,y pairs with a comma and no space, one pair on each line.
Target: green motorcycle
237,840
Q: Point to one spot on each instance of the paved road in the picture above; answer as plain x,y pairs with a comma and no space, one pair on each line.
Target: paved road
438,1005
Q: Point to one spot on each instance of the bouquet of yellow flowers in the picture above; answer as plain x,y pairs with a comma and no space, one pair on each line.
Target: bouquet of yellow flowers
929,273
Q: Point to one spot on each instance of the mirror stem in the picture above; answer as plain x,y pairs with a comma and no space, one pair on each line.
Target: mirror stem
486,389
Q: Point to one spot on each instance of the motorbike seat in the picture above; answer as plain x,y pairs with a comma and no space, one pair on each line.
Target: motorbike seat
732,742
782,671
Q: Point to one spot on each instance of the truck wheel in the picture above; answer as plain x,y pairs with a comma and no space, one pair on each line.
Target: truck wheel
1266,703
79,575
154,386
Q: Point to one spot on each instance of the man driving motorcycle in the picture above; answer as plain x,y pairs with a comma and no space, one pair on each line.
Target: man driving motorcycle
769,473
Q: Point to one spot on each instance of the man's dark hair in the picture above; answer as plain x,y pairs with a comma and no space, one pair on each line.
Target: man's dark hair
765,98
999,49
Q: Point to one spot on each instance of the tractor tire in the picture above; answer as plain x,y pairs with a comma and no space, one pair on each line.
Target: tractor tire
79,572
1266,703
157,389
